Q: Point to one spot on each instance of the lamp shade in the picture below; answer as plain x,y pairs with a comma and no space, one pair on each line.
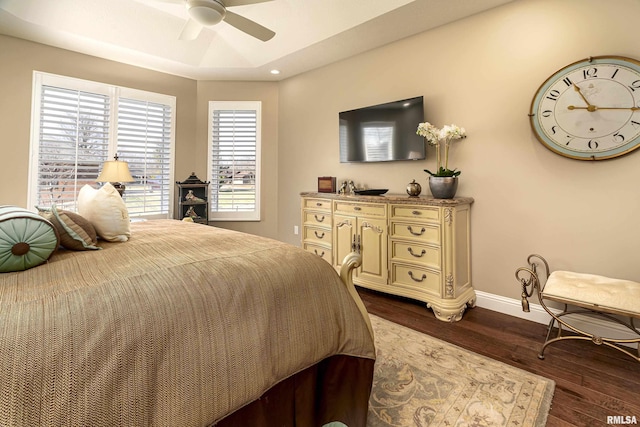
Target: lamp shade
115,171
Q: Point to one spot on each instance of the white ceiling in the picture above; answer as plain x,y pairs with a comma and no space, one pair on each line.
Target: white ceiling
309,33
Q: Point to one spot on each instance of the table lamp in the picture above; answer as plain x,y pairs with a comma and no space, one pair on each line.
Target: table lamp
116,172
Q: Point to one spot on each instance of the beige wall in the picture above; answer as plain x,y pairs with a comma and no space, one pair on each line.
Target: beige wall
481,73
267,93
18,60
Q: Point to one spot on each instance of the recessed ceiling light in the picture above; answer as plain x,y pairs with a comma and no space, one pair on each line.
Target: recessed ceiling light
275,71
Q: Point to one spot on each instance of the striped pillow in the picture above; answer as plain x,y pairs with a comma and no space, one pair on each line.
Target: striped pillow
76,232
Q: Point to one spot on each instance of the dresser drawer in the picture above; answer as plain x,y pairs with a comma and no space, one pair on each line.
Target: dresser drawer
361,209
321,251
317,219
416,253
415,213
316,235
409,276
425,233
323,205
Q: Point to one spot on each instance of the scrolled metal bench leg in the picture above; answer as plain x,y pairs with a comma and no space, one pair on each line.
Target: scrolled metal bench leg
529,278
541,354
530,283
547,338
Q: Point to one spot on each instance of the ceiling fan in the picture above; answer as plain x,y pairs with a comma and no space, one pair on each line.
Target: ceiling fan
206,13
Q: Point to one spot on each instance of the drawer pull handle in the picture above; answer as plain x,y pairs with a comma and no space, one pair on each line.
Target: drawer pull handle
416,213
319,236
424,276
320,255
417,256
357,208
319,219
319,204
414,233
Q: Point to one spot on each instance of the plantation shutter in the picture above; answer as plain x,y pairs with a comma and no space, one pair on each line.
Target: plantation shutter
73,144
234,161
144,141
77,125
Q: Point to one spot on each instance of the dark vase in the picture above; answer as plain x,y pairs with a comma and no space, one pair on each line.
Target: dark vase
443,187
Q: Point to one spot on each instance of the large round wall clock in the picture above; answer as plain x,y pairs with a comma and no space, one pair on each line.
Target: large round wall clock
590,110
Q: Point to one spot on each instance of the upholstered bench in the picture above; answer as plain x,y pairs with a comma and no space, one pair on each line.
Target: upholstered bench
603,297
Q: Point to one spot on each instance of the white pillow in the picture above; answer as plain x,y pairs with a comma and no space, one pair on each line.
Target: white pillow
106,211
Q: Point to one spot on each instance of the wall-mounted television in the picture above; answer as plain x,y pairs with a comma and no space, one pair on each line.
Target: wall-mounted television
382,133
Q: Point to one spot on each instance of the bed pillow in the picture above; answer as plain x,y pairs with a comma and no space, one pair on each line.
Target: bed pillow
26,239
106,211
76,232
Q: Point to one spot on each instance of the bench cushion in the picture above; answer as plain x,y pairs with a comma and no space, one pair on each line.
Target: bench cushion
588,290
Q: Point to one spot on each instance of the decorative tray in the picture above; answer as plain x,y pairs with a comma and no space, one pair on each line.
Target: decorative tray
372,192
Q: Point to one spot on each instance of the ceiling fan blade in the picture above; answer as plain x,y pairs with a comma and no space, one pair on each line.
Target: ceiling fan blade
232,3
248,26
191,30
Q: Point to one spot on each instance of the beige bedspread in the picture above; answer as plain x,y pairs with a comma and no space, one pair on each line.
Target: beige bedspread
180,326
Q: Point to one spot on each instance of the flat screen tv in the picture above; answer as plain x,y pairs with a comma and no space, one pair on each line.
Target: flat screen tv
382,133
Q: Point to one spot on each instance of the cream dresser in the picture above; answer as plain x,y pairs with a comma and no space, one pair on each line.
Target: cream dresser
317,226
416,247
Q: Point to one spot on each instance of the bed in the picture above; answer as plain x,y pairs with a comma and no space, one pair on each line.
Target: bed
183,325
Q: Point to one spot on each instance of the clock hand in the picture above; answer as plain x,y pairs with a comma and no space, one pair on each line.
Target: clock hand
590,108
618,108
594,108
577,89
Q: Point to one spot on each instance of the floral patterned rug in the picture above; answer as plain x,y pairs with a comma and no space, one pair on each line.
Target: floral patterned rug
422,381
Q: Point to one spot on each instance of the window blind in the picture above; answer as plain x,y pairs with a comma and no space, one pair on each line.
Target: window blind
144,141
234,161
78,124
73,144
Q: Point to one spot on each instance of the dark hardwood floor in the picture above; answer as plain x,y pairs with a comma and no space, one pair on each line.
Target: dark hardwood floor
592,382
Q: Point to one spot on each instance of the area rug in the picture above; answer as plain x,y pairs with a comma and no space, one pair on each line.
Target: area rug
422,381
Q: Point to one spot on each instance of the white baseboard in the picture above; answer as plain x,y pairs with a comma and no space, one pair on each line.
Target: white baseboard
537,314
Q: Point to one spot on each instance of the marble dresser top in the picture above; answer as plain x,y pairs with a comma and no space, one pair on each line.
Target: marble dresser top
392,198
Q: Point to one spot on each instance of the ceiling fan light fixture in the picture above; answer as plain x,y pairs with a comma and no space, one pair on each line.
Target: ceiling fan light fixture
206,12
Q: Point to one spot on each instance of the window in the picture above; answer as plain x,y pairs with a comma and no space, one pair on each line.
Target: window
234,160
78,124
145,141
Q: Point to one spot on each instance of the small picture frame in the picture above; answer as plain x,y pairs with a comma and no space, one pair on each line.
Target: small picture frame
326,184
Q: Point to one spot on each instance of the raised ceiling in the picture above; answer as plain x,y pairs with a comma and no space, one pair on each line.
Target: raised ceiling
309,33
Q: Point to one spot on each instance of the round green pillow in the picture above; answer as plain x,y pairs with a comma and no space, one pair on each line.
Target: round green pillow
26,239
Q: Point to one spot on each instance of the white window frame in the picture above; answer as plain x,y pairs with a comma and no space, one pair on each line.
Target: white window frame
255,214
114,92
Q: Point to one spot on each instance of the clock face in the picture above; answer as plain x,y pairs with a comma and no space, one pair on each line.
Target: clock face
590,110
